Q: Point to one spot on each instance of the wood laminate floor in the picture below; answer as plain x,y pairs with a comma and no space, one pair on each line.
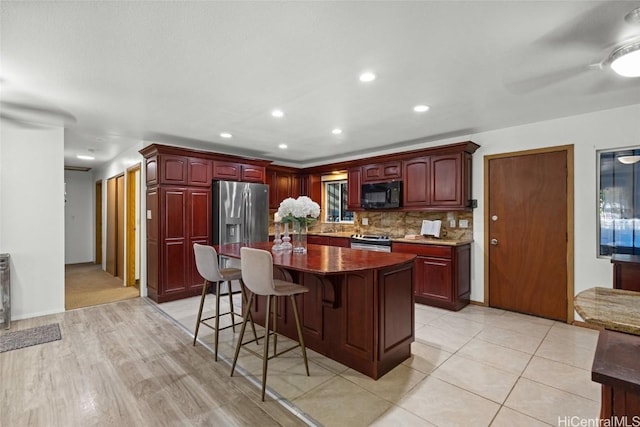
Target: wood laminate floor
125,364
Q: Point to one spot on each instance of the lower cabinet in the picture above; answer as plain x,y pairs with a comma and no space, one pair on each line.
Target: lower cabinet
442,273
314,239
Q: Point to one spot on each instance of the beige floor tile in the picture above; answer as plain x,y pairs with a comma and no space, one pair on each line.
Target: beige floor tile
516,340
392,386
509,418
446,405
422,316
325,362
459,325
500,357
575,335
339,402
564,377
425,358
436,337
479,314
476,377
398,417
564,351
521,323
549,404
529,318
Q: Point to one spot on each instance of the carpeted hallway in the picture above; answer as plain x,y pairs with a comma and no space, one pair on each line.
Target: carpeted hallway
86,285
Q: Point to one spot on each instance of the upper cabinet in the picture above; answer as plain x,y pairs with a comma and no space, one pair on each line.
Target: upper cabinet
282,184
234,171
441,181
354,188
389,171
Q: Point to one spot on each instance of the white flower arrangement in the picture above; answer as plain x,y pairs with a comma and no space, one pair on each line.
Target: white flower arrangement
301,210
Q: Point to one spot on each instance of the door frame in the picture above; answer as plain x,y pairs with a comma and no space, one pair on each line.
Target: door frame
130,220
568,149
98,222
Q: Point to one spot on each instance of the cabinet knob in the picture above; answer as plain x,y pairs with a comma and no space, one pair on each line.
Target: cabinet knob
494,242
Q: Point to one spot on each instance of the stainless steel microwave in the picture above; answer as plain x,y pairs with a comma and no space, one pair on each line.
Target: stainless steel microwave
381,195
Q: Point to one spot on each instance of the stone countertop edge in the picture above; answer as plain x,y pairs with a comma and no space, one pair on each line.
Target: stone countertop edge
419,241
613,309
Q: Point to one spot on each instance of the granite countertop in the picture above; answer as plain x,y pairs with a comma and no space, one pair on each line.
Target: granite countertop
613,309
421,240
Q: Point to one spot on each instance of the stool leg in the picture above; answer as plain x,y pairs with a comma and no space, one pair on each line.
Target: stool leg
300,339
245,299
275,325
241,337
233,319
265,354
205,286
217,329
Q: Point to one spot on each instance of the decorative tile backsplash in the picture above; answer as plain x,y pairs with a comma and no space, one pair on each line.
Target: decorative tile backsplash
399,224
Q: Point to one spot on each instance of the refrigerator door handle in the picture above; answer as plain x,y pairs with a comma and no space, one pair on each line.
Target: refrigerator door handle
247,217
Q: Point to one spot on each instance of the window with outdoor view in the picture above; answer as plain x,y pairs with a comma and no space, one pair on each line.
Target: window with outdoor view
619,202
335,196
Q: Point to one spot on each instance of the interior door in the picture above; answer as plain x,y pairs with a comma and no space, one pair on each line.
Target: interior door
528,233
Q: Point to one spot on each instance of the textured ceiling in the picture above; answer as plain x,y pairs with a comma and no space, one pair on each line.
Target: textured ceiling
115,73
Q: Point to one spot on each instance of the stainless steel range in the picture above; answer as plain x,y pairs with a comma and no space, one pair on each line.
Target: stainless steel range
371,242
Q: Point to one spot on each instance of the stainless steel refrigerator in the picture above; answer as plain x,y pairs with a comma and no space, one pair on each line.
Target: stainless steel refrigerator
240,215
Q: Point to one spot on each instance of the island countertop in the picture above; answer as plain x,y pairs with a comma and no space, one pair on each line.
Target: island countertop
324,260
613,309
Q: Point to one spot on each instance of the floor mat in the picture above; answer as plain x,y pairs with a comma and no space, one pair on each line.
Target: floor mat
28,337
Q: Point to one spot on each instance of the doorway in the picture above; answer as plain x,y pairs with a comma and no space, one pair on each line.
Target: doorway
98,221
133,226
529,239
115,226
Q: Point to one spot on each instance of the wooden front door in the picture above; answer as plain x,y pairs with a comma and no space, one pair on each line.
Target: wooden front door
528,232
115,226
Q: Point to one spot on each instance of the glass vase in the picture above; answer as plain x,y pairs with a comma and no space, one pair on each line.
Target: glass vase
300,237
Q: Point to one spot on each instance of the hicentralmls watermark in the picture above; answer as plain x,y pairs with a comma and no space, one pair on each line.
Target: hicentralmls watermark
576,421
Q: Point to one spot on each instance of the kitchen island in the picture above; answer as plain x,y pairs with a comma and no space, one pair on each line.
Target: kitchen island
359,309
615,365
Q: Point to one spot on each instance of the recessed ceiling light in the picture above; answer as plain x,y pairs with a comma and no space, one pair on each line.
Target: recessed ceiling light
226,135
277,113
421,108
336,131
282,146
367,76
84,157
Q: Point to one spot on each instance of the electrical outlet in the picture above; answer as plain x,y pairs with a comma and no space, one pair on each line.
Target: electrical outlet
464,223
452,223
365,221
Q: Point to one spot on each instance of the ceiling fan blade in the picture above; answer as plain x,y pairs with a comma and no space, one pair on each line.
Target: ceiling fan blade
545,80
37,113
21,123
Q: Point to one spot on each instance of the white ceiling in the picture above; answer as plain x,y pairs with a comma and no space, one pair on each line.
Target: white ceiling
183,72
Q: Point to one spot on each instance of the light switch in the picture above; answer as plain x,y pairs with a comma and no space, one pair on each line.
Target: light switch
148,213
464,223
452,223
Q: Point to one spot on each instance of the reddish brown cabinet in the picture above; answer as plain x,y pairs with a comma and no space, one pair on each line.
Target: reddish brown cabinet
282,184
179,213
315,239
626,272
311,185
415,189
354,188
389,171
442,273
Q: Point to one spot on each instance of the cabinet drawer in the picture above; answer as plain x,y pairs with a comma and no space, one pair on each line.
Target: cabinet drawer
424,250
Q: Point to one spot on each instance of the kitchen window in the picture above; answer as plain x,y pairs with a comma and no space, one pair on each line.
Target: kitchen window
619,202
335,200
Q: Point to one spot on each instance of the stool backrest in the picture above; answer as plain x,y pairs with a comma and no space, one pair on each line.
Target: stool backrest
257,270
207,262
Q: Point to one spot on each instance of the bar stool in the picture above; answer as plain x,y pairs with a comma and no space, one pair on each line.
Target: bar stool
257,274
207,265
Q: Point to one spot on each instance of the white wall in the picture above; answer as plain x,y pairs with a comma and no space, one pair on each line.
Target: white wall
588,132
32,218
78,217
118,166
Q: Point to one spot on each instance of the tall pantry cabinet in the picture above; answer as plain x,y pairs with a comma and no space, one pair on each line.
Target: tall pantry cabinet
179,213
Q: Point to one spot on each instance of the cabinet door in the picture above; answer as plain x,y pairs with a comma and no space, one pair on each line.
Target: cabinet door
416,187
446,180
434,278
173,169
354,187
343,242
318,240
227,170
311,185
199,228
151,170
381,172
173,202
251,173
199,172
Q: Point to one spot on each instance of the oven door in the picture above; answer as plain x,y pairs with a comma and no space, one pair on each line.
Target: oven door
370,247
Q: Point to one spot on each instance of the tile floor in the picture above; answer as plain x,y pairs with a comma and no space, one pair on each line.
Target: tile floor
476,367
